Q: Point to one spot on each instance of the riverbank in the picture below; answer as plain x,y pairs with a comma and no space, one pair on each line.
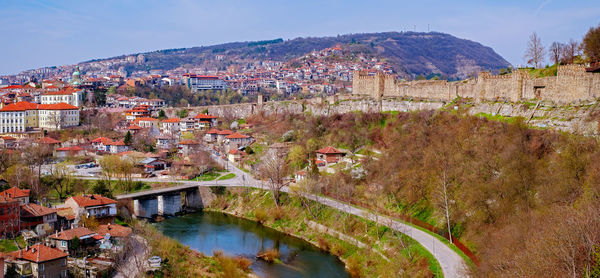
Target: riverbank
295,215
181,261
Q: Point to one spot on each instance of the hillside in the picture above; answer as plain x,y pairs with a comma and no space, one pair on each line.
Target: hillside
409,53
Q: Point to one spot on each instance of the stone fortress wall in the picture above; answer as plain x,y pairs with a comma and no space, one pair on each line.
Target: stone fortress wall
572,84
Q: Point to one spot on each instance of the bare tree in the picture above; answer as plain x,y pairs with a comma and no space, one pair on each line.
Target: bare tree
569,51
556,50
274,168
534,55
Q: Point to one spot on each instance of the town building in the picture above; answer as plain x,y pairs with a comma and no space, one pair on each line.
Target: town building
187,147
24,116
102,208
21,195
203,82
329,154
10,217
68,95
63,240
170,126
39,261
238,139
205,121
38,218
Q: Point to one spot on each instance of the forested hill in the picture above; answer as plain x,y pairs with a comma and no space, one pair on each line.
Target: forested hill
408,53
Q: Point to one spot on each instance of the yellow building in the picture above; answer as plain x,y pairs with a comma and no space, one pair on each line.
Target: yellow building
23,116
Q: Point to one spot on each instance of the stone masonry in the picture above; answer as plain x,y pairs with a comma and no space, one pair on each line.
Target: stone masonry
572,84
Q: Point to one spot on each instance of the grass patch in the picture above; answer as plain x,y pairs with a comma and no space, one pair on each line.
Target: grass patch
226,177
206,176
8,245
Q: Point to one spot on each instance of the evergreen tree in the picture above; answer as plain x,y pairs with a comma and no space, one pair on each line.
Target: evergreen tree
127,139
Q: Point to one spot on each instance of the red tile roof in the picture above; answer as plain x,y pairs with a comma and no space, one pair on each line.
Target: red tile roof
7,200
37,210
237,136
48,140
57,106
225,132
188,142
72,233
146,119
114,230
15,192
204,116
116,143
236,151
329,150
92,200
171,120
102,140
73,148
134,127
213,131
38,253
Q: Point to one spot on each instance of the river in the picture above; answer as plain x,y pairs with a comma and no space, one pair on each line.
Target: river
208,231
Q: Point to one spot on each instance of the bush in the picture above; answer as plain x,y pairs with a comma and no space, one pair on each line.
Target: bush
260,215
277,213
354,267
269,255
323,243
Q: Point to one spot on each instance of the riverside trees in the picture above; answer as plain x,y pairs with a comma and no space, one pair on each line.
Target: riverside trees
499,186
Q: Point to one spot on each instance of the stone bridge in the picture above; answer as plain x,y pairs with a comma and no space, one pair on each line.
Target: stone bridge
166,201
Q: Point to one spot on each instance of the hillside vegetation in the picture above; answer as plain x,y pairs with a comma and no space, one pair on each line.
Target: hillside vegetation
411,53
524,200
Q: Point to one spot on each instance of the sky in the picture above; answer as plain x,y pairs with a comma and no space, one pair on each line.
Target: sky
36,34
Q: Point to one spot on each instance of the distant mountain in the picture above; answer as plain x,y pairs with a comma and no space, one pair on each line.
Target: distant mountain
409,53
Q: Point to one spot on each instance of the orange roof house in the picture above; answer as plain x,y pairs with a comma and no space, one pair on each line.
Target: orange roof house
114,230
22,195
329,154
38,253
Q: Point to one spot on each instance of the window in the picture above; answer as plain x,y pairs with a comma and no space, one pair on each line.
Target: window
63,244
63,273
64,262
41,268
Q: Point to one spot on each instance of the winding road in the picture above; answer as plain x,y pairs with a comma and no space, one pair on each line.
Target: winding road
451,262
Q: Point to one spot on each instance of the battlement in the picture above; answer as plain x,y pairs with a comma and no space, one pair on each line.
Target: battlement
572,84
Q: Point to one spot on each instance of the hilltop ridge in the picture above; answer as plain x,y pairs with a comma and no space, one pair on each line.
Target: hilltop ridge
409,53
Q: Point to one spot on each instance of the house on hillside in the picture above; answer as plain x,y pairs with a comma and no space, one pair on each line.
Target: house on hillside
69,152
187,147
238,140
38,218
102,208
329,155
102,144
39,261
118,147
235,155
63,240
21,195
211,135
205,121
10,222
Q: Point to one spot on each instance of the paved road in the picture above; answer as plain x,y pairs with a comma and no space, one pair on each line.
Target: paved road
452,264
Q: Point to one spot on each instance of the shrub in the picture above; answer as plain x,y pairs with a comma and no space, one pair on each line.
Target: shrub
260,215
354,267
323,243
269,255
277,213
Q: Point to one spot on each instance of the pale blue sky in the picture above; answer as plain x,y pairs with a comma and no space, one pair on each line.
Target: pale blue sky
45,33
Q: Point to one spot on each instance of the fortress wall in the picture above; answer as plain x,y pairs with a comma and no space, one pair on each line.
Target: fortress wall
466,89
434,89
540,88
572,84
